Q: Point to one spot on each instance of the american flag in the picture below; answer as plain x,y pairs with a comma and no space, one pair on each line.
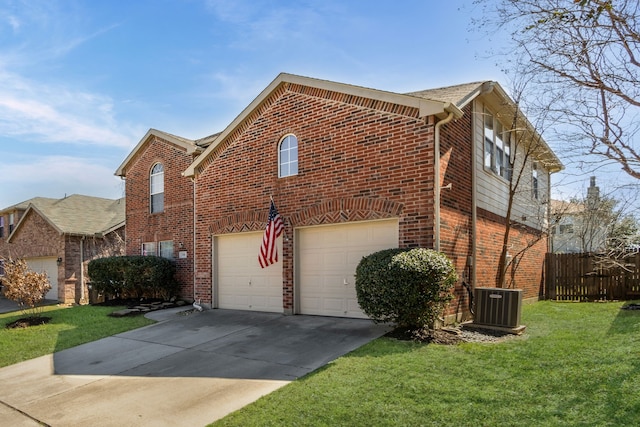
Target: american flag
269,250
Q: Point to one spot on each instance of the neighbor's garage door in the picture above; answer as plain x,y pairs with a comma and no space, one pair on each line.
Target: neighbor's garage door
241,283
49,266
328,257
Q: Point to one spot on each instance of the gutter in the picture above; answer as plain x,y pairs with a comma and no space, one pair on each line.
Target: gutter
436,186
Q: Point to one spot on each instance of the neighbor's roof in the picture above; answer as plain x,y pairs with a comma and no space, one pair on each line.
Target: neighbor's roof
78,214
24,205
562,207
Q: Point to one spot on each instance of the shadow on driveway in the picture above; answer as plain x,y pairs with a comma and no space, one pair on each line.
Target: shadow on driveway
185,370
221,344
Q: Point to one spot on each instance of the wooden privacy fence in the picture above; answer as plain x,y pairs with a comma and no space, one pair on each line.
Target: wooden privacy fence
585,277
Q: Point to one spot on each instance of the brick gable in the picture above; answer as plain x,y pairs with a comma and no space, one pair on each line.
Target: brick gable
176,221
355,163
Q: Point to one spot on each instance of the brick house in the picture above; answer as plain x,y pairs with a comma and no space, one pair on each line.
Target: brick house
352,170
61,236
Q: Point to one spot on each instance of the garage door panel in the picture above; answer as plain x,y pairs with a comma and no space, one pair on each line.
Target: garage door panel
241,283
327,259
46,265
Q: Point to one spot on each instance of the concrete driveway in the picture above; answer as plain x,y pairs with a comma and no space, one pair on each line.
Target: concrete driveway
185,370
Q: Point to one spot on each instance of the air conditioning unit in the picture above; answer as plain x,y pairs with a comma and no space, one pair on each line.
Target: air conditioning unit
498,307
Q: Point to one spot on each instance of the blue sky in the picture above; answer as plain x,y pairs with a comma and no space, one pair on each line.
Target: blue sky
81,81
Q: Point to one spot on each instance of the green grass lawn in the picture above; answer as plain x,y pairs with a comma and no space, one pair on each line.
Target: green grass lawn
68,327
576,365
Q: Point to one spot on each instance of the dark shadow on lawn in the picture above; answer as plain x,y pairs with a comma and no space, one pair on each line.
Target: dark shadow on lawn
627,320
222,344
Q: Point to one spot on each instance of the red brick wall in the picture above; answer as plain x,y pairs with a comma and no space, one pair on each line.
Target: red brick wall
526,273
176,222
456,202
354,163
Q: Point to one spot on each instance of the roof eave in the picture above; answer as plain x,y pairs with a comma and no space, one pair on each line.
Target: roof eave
190,148
425,107
24,218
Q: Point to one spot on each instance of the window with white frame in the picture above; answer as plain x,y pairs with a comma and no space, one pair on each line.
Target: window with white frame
166,249
497,146
535,184
163,248
11,224
149,248
157,188
288,156
1,226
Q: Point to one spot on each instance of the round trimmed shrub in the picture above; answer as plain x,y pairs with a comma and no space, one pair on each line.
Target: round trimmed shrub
409,287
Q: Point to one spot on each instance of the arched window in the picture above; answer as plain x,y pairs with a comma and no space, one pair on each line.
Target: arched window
288,156
157,188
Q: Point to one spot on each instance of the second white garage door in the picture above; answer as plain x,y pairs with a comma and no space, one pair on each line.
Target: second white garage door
241,283
328,257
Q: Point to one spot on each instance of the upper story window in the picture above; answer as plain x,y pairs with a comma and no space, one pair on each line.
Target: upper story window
535,184
1,226
11,223
157,188
288,156
497,146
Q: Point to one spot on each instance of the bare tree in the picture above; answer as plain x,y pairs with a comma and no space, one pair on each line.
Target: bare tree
528,159
584,58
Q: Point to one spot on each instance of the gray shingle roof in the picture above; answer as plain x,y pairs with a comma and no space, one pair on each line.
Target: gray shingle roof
81,215
457,95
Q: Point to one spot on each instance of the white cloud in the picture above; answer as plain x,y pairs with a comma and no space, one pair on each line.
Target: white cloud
55,176
48,113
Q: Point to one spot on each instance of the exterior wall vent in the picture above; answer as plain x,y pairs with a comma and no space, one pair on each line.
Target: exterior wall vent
498,307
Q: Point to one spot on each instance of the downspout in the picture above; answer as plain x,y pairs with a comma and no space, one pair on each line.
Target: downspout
82,295
193,251
436,185
474,205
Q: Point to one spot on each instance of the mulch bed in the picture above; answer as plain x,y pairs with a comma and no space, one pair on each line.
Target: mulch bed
25,322
450,336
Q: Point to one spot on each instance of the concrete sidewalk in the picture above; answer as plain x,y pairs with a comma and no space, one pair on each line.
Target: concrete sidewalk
186,370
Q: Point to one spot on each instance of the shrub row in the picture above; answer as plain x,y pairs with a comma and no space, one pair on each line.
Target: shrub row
134,276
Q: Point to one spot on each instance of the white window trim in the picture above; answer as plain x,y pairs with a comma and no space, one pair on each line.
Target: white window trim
153,175
506,172
289,163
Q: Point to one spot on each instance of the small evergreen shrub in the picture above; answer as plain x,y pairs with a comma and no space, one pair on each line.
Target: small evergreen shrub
134,276
409,287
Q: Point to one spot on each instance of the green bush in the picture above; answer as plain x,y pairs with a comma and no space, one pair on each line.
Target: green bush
134,276
409,287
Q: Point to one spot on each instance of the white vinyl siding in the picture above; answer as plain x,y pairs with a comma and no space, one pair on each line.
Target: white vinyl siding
492,191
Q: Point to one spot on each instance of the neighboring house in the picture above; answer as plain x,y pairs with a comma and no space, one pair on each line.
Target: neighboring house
352,171
60,237
580,226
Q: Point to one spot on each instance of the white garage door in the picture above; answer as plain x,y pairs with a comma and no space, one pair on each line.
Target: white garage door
49,266
328,257
241,283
